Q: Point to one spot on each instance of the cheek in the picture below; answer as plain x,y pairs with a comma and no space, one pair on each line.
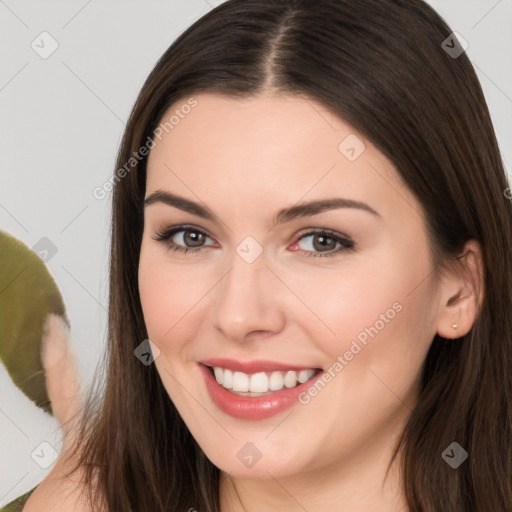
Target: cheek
170,297
383,308
343,303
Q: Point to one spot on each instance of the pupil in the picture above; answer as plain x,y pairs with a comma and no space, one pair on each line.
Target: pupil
323,244
193,237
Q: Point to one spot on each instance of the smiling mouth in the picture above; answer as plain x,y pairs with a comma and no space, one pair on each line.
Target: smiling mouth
260,383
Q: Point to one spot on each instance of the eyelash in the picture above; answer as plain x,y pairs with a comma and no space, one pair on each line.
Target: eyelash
347,244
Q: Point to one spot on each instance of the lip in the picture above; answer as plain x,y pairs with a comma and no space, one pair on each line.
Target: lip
253,408
254,366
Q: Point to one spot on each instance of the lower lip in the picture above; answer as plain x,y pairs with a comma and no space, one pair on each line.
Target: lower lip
252,408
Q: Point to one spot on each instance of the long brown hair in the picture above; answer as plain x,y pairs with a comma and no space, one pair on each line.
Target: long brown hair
381,66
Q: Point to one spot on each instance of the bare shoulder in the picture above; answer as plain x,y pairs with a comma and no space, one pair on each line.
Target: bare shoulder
59,493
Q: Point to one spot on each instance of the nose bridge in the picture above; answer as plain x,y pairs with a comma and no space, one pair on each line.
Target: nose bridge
245,300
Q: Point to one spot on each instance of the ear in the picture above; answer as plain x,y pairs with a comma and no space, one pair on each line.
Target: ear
462,293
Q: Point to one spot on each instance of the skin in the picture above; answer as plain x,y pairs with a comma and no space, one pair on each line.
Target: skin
57,492
245,159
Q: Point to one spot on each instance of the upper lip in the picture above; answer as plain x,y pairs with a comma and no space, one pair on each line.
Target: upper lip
254,366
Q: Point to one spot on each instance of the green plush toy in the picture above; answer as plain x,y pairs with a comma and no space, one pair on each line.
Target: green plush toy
28,294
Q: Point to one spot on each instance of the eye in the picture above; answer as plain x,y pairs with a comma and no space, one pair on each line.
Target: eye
190,238
326,242
322,242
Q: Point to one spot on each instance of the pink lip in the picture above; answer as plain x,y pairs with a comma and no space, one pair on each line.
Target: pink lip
254,366
252,408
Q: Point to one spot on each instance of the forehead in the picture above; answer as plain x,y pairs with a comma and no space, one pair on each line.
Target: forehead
245,127
268,147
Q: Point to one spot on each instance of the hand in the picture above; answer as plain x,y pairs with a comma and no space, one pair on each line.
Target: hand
62,380
59,492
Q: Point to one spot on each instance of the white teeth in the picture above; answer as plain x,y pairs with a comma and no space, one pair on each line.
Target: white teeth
276,381
227,380
305,375
261,382
240,381
258,383
219,374
290,379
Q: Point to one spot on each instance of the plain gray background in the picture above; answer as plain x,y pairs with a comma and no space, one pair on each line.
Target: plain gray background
62,118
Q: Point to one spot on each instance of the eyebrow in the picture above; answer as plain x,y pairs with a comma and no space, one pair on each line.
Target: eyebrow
284,215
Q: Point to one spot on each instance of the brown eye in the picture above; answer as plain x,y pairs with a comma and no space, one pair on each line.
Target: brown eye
193,238
324,243
321,242
183,238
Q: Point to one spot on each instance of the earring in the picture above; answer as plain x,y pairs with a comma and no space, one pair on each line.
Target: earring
454,326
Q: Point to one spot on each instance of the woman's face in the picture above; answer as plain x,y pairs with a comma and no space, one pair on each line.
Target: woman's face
272,292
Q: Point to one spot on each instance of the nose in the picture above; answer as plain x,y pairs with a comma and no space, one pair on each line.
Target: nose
248,302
